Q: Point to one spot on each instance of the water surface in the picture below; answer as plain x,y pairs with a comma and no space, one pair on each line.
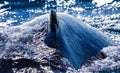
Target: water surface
103,15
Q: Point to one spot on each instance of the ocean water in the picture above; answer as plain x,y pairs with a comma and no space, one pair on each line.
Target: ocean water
21,44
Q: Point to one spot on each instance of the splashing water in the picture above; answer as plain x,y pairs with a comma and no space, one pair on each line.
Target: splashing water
20,40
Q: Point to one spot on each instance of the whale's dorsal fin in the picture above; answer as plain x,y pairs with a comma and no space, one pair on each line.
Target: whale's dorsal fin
53,21
50,39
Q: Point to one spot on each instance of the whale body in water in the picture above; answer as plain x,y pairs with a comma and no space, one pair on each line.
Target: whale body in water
74,39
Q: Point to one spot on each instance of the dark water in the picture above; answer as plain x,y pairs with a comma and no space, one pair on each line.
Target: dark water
103,15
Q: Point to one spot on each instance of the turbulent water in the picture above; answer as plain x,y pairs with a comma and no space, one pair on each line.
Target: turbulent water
21,45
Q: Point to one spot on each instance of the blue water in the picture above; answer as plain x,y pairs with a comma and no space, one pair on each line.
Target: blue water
103,15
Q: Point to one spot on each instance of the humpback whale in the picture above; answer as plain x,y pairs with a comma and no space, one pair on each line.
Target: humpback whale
72,38
76,40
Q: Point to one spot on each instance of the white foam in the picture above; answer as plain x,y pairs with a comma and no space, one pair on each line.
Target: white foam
101,2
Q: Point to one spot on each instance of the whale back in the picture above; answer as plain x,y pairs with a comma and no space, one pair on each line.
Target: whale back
76,40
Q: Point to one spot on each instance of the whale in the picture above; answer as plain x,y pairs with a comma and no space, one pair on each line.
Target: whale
74,39
39,39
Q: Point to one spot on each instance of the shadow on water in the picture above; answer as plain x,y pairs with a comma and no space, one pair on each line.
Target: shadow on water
8,65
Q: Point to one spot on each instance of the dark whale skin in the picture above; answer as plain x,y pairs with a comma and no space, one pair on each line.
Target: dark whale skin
75,40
